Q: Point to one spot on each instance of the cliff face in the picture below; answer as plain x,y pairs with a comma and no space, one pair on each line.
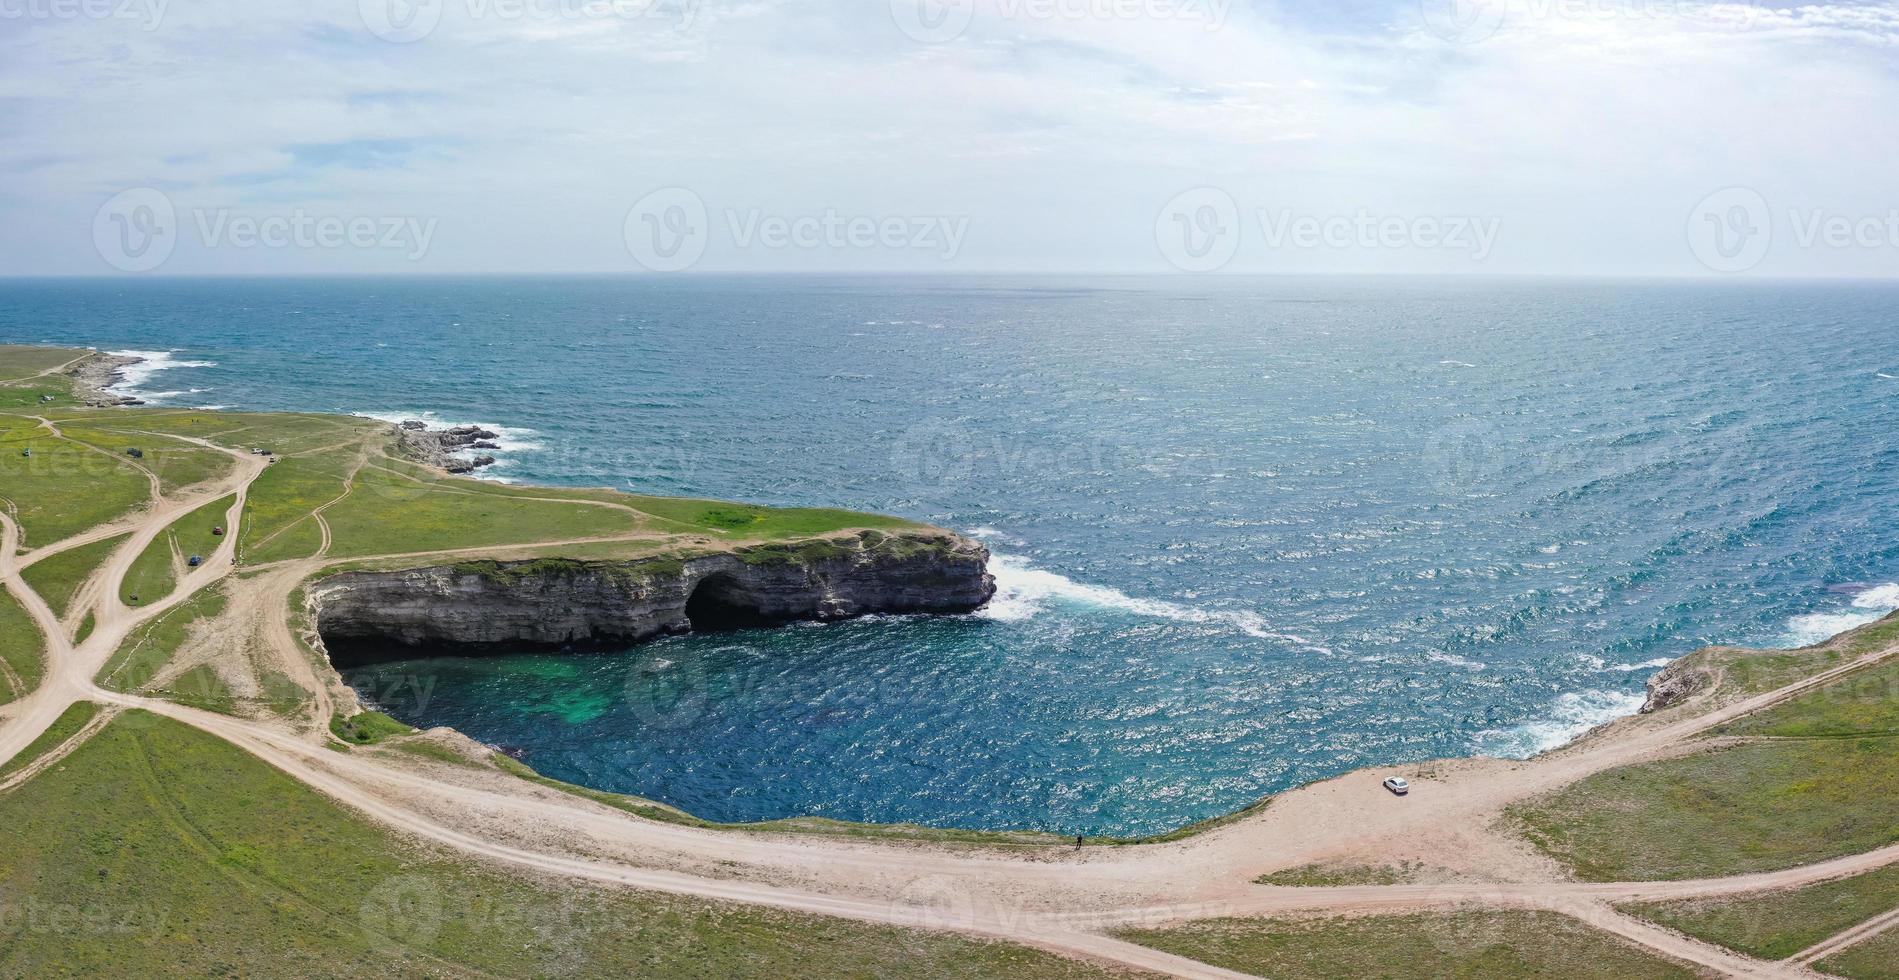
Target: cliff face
365,616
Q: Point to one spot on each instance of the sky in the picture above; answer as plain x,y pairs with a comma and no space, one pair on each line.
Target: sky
1189,137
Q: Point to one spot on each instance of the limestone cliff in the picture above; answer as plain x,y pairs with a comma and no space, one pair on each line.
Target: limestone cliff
370,615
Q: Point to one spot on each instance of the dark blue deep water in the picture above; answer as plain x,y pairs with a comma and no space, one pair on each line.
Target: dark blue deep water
1248,532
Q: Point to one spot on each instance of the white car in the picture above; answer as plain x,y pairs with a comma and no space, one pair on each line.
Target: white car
1397,785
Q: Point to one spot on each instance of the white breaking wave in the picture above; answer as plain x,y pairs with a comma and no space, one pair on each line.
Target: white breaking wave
1454,660
1644,665
510,439
1571,716
1022,591
1868,606
991,534
151,362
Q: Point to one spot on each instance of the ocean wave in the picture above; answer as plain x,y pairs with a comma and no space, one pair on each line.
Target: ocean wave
1022,591
133,377
986,533
1569,717
509,438
1869,605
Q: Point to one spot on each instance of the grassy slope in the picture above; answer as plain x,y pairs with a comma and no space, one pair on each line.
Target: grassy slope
57,577
1463,944
215,864
1777,925
22,647
1730,811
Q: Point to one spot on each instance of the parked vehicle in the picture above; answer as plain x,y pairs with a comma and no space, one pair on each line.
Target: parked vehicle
194,561
1397,785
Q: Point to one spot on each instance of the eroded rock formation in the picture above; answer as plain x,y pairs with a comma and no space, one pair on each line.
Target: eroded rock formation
477,606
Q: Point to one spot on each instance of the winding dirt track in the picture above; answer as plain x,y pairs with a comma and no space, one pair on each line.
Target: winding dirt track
1052,898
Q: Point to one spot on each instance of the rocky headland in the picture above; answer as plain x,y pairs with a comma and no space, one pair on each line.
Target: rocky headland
445,448
552,603
94,378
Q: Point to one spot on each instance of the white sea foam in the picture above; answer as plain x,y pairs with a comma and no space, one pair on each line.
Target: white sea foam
1570,716
987,533
1657,663
1454,660
1868,606
134,376
510,439
1022,591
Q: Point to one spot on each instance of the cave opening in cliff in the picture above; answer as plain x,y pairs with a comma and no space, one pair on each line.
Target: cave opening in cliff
719,603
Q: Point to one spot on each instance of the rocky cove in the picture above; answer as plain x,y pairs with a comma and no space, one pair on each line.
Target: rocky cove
366,616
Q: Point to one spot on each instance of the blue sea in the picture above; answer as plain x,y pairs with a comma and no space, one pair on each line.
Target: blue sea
1248,532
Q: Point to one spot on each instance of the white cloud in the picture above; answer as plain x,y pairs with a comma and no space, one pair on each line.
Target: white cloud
1589,129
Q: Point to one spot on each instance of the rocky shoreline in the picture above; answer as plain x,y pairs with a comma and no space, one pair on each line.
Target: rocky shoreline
442,448
94,378
488,606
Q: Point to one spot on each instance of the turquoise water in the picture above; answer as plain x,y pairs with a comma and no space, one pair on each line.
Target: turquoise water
1249,532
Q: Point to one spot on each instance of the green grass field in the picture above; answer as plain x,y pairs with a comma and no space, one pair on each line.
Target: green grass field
214,864
63,487
1470,943
22,651
17,362
152,575
1731,811
177,464
1777,925
57,578
388,512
